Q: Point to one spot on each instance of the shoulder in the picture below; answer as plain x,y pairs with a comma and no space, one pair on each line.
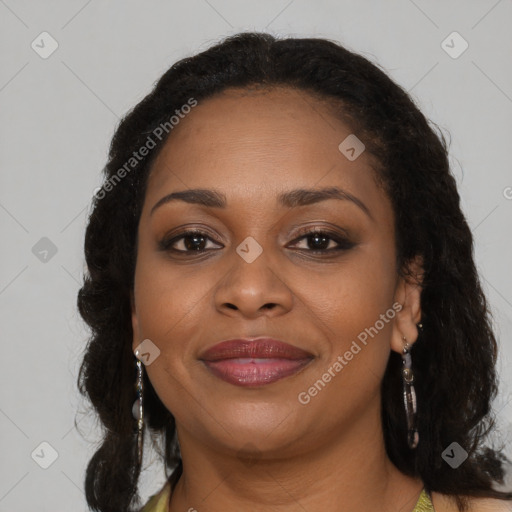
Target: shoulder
159,502
490,505
445,503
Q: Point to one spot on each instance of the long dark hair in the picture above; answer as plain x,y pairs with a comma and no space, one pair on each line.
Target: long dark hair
455,355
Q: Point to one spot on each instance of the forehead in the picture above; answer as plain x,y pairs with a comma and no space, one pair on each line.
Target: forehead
269,140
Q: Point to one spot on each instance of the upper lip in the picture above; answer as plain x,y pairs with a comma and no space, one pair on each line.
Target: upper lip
261,347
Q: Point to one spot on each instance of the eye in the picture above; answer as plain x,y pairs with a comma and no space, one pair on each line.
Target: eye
322,241
189,241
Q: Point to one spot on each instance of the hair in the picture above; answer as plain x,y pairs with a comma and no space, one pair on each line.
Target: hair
455,355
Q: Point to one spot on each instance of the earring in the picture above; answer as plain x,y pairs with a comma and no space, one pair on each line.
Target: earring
409,396
138,410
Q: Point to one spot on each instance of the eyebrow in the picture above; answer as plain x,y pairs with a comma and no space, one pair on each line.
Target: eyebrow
290,199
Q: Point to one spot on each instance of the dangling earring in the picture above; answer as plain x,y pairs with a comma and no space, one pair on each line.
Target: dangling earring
409,396
138,410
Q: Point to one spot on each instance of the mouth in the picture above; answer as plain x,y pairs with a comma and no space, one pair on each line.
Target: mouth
254,362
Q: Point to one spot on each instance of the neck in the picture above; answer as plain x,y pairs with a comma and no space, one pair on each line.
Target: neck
347,472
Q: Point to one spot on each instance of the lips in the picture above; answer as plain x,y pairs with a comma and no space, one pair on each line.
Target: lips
254,362
267,348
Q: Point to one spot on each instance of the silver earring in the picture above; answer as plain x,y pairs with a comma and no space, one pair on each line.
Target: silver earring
138,410
409,396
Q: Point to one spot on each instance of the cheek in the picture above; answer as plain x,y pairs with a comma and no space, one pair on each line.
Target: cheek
172,302
165,296
357,309
165,301
354,296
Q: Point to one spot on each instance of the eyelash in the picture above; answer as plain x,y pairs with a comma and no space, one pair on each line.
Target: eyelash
343,242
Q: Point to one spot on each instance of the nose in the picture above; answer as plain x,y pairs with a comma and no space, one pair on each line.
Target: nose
253,289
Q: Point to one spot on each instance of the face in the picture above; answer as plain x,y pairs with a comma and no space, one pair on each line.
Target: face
253,270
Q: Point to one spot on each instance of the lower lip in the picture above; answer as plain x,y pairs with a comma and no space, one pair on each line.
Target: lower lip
253,371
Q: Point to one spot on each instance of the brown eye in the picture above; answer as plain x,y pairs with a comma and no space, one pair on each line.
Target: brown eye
189,241
321,241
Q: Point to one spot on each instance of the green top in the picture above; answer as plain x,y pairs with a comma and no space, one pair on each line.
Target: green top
160,502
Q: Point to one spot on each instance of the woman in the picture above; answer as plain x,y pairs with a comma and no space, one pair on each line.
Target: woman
281,283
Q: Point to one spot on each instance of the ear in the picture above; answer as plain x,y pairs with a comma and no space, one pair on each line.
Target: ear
135,323
408,295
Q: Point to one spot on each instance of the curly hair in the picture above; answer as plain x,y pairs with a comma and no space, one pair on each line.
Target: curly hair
455,354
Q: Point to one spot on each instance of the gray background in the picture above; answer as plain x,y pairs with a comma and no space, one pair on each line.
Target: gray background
59,114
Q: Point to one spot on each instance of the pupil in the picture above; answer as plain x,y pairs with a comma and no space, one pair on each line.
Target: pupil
323,239
195,238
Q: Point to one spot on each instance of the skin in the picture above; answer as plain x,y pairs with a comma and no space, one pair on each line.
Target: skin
260,448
